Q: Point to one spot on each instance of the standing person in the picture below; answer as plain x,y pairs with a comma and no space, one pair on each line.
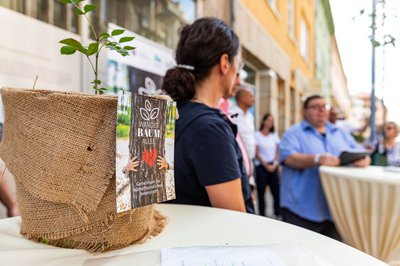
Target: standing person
6,195
303,148
246,130
208,171
388,148
245,119
224,105
267,163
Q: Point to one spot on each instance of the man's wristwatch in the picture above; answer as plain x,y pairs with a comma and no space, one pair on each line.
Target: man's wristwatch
316,159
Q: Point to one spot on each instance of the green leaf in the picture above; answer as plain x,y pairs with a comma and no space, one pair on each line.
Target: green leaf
67,50
65,1
74,43
375,43
78,1
89,8
117,32
79,11
128,48
96,81
123,52
126,39
104,35
44,241
93,48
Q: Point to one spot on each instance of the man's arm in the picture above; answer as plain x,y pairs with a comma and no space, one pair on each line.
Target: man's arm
301,161
363,162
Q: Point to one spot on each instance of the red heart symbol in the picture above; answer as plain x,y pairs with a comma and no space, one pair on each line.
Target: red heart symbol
149,157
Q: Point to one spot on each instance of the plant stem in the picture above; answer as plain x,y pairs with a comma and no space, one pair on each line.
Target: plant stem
92,28
96,73
90,23
94,69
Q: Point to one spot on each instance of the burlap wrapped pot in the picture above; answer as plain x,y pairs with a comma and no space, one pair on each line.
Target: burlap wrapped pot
60,147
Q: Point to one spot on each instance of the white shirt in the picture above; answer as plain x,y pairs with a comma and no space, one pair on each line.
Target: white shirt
246,129
266,146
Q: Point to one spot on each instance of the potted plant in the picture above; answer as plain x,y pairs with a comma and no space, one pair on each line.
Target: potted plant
60,147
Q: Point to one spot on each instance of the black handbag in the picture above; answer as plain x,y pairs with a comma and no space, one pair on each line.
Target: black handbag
379,156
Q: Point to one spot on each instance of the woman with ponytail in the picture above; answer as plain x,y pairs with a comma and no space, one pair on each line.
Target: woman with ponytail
208,162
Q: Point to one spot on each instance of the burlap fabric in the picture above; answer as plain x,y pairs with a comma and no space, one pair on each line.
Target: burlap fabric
60,147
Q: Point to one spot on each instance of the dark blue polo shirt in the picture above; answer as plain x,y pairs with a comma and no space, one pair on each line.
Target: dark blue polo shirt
206,153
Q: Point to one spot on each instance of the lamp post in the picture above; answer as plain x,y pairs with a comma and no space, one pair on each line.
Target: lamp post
373,137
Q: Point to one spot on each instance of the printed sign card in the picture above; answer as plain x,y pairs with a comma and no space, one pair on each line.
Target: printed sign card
145,155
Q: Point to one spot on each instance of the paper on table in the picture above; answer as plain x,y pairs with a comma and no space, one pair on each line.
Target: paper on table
279,255
394,169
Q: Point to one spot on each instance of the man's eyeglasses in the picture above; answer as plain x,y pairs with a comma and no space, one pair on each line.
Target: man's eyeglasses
318,107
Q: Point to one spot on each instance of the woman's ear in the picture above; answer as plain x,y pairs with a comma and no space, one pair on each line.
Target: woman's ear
224,64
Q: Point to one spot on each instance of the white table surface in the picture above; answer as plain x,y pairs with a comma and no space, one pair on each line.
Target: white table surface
365,204
188,226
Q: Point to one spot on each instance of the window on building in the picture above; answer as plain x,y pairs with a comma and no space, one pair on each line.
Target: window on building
282,115
291,19
248,75
52,12
42,10
304,39
157,20
65,17
17,5
292,106
272,3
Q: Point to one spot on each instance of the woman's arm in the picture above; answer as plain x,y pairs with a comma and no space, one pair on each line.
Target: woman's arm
227,195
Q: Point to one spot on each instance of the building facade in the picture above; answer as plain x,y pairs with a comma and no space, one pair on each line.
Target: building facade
277,39
283,44
324,29
340,97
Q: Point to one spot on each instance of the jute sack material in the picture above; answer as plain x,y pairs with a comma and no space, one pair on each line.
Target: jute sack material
60,147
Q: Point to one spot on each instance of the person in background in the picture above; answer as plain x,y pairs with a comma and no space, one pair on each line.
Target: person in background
244,120
388,146
224,105
208,171
333,114
303,148
267,163
339,121
6,196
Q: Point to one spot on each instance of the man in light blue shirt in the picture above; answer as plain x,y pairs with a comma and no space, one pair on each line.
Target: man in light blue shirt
303,148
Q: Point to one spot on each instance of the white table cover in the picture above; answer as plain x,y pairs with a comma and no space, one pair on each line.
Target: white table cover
188,226
365,204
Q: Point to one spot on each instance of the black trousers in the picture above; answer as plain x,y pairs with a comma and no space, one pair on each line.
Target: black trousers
326,228
264,178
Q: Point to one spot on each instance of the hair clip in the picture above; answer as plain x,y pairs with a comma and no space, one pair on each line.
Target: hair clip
188,67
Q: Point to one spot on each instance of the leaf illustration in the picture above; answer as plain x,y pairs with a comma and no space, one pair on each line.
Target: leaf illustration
154,113
144,114
147,105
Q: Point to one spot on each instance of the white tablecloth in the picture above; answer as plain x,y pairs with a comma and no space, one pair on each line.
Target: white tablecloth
365,204
188,226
